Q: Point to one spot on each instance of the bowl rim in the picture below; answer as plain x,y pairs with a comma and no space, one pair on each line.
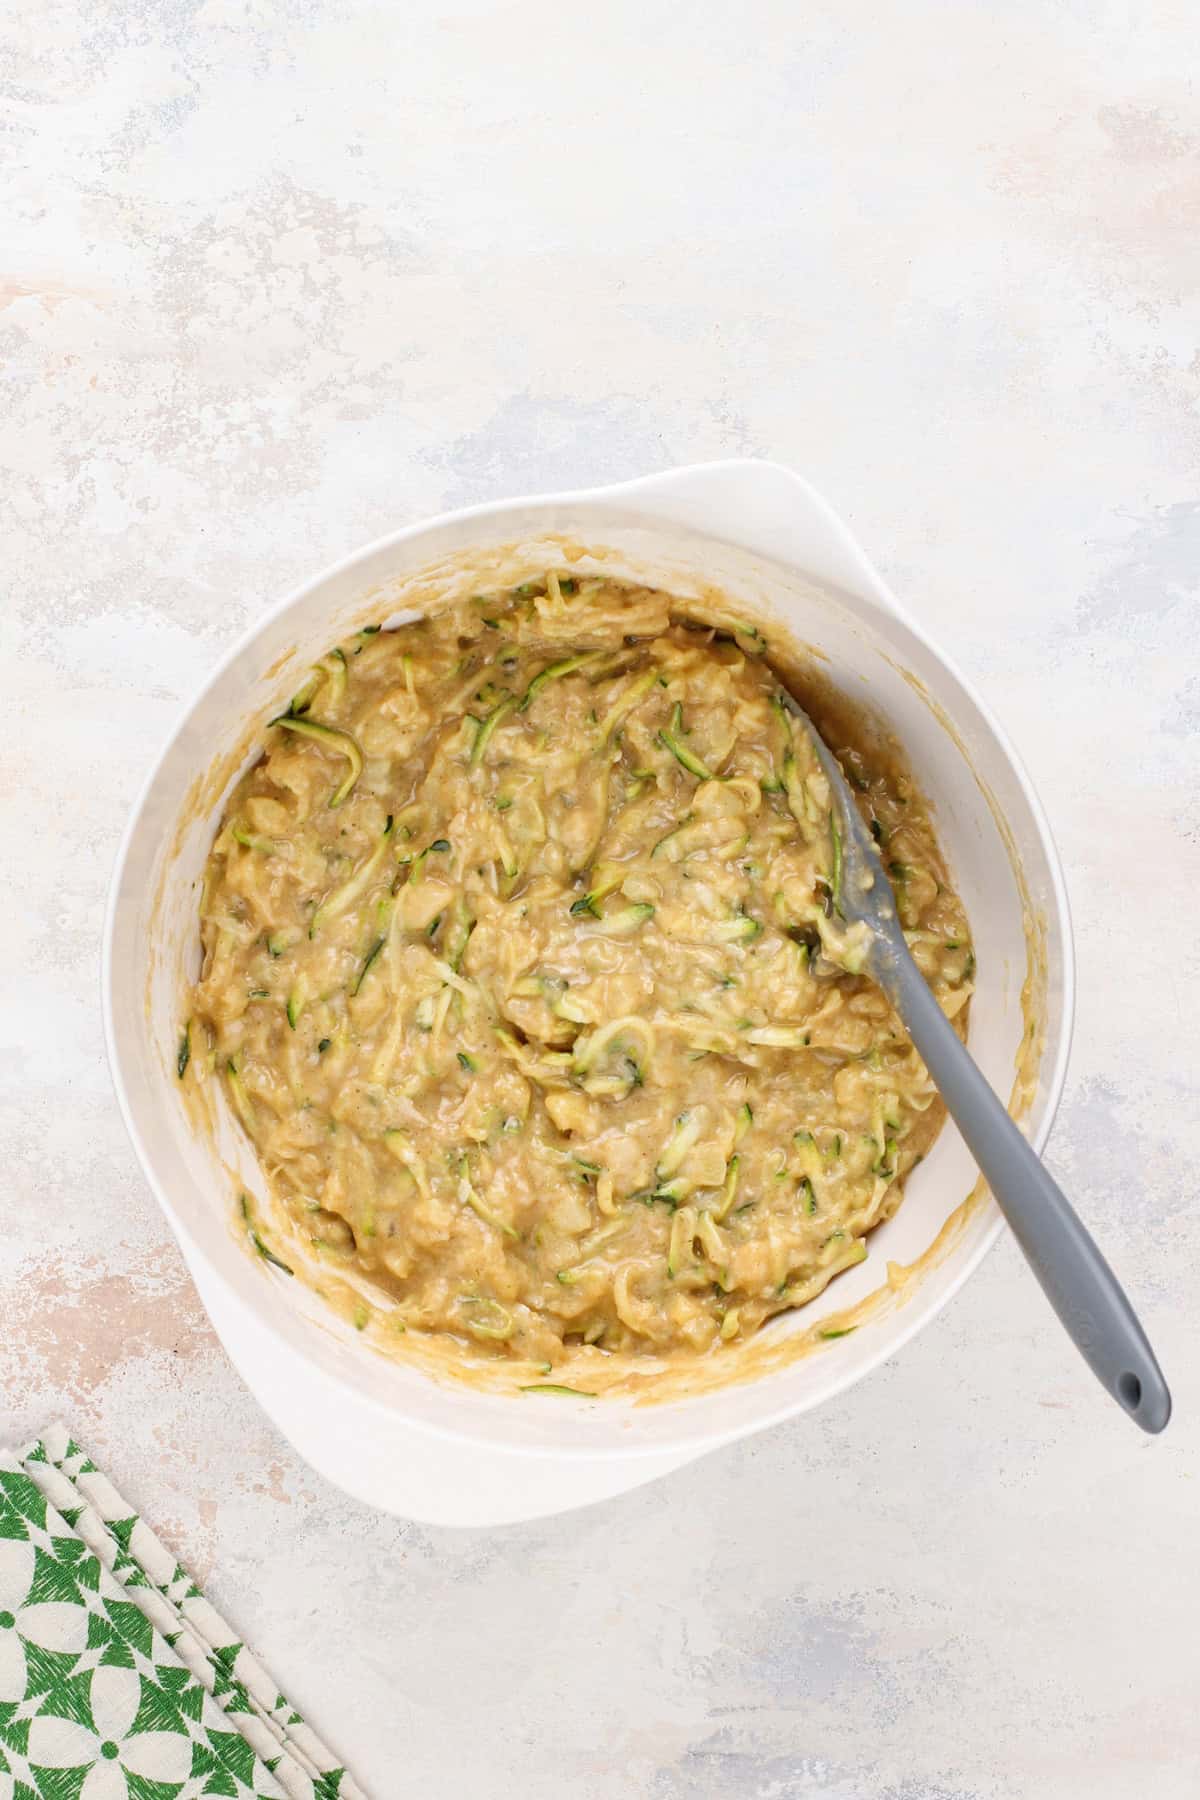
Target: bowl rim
917,1313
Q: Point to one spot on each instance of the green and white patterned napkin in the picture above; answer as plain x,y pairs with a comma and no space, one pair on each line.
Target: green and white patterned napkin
118,1680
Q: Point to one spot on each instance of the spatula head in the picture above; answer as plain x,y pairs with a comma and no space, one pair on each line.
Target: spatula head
863,894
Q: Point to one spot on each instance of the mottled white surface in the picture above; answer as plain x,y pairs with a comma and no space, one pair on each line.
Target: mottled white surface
278,277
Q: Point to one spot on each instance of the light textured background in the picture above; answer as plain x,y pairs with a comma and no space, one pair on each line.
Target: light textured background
277,277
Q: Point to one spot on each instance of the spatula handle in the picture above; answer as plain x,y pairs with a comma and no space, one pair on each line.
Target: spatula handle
1078,1282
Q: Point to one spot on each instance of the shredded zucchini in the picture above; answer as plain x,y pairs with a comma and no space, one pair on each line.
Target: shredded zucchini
296,1001
469,1197
342,898
366,964
625,920
332,739
671,739
542,1017
483,735
554,672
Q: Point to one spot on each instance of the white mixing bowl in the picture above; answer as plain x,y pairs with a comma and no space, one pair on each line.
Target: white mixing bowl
384,1430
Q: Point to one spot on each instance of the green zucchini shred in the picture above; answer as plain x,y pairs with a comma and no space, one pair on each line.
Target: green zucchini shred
684,1134
600,890
468,1196
458,935
267,1254
835,876
256,1238
671,740
625,920
556,1387
241,1099
438,847
302,699
332,739
250,841
751,635
554,672
342,897
333,665
729,1190
486,727
372,953
674,832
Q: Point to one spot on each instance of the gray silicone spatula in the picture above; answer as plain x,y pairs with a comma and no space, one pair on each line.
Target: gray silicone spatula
1081,1287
